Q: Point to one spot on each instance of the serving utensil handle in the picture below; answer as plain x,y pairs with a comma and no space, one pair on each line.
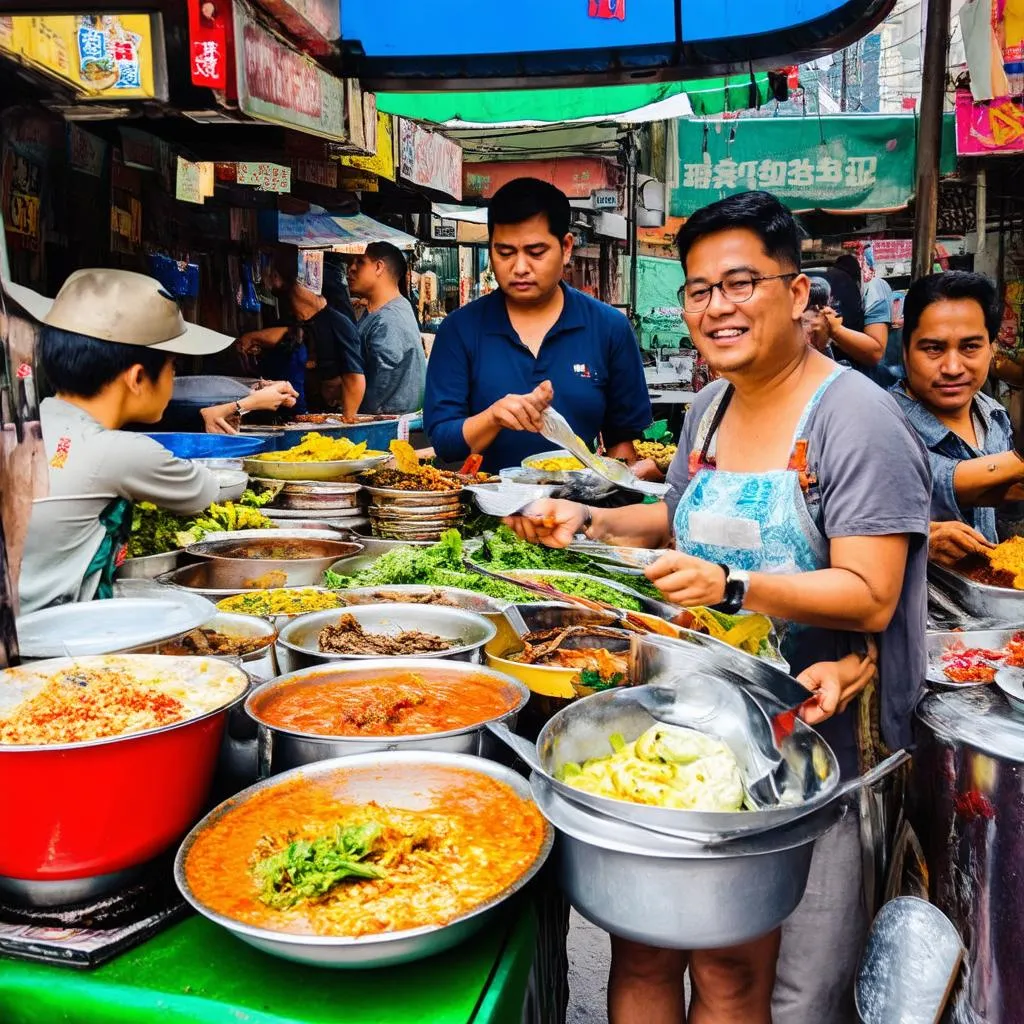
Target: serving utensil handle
519,744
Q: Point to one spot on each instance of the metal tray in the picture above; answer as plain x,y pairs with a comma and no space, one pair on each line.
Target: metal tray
384,496
648,604
999,605
991,639
148,567
300,515
300,495
105,627
332,469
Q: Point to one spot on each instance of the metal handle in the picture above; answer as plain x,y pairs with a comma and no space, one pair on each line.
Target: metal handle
873,775
522,746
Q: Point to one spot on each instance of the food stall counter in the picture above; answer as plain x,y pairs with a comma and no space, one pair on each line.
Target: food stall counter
197,973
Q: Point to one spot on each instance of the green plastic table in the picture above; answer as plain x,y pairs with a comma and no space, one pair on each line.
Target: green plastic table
196,972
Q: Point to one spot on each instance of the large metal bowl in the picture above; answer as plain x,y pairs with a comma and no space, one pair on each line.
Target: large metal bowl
647,604
672,894
373,548
319,495
279,469
391,497
939,643
245,563
281,749
994,605
87,814
395,778
298,645
148,567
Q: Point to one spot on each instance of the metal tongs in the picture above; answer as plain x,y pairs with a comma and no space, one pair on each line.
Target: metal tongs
555,427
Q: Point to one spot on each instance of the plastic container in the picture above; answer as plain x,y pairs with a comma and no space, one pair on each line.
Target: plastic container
210,446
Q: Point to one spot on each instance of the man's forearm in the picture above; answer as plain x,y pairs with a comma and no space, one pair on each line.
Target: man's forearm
861,348
353,390
623,450
479,431
978,481
634,526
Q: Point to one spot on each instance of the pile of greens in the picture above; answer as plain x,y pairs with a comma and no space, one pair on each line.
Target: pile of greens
155,530
306,870
503,550
440,565
593,590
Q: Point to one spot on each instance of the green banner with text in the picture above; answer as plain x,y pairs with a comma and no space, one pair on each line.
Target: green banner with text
851,163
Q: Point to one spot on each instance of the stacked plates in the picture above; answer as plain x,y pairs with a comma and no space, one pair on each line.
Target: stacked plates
336,501
414,515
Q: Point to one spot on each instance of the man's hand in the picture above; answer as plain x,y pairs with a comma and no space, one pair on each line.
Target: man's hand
951,542
833,319
270,396
249,345
834,684
647,469
523,412
686,580
220,419
550,521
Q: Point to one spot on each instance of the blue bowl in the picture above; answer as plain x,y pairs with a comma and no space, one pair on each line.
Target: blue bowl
210,446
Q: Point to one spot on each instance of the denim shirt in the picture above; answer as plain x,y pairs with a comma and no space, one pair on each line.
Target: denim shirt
946,449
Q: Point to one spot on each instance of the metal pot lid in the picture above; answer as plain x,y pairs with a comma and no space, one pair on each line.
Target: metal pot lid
103,627
979,717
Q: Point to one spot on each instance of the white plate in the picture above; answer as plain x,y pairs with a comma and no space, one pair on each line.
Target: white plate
104,627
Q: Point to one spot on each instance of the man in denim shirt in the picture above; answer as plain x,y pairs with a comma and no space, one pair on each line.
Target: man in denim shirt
950,323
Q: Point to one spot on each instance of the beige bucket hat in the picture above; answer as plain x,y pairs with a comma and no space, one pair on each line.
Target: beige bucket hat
125,308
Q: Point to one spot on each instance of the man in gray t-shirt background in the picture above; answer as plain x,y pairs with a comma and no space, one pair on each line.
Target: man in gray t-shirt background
393,358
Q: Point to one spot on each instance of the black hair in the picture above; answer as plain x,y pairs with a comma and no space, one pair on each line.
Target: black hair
75,364
850,266
947,286
284,261
523,198
392,258
759,212
335,286
820,293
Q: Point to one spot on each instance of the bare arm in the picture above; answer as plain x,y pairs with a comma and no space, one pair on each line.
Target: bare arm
351,388
513,412
880,333
623,450
554,522
985,481
265,338
864,348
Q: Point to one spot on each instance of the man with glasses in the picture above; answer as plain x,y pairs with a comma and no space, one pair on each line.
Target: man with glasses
800,492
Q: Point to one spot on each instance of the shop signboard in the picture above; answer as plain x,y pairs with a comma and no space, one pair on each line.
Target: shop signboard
845,163
577,177
22,191
104,56
382,163
429,159
992,128
315,24
208,44
86,151
281,85
605,199
263,175
443,230
608,40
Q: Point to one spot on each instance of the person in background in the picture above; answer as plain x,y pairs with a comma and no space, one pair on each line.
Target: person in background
335,379
883,364
950,323
826,331
500,361
815,320
267,396
107,348
392,349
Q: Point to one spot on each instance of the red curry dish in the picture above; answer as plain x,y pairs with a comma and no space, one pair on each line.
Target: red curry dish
387,704
303,858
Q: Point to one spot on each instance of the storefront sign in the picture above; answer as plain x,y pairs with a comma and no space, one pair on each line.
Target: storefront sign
22,189
664,236
993,128
605,199
469,233
208,43
311,269
429,159
382,163
106,56
827,163
265,176
86,151
140,149
577,177
442,230
318,172
126,226
316,24
280,85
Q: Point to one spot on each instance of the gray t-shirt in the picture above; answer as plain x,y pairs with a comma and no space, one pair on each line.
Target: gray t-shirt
90,466
872,480
393,359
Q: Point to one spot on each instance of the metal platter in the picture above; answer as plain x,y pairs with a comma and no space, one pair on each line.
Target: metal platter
939,643
384,496
104,627
331,469
998,605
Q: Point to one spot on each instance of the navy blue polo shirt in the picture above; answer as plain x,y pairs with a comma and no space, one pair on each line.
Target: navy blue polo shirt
590,356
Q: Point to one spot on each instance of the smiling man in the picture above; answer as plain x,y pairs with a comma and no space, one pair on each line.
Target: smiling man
499,362
950,323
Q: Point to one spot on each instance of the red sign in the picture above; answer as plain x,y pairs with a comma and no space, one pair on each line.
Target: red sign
577,177
995,127
208,50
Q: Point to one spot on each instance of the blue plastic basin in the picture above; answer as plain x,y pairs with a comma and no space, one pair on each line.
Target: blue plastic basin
376,435
210,446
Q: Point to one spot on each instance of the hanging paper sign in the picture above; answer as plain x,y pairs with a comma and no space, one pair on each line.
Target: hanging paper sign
207,40
265,176
311,269
429,159
188,183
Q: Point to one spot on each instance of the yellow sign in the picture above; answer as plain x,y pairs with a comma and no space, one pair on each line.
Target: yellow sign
108,56
382,163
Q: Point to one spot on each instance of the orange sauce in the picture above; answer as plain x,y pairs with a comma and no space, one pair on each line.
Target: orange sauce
396,704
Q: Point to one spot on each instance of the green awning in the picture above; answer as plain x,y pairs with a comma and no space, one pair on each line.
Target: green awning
711,96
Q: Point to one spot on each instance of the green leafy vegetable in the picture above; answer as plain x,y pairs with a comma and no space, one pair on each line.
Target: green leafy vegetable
306,870
592,678
595,590
155,530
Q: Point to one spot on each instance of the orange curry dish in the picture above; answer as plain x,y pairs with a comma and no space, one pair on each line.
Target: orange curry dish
394,704
298,858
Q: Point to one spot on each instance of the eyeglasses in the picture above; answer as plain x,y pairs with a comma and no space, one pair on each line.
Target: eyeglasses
734,289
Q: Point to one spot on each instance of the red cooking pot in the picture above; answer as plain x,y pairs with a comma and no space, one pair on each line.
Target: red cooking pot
77,816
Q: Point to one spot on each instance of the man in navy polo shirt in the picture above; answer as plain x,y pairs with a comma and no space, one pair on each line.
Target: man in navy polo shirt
499,362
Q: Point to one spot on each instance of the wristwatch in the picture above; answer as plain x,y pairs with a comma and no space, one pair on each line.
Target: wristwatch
588,520
736,583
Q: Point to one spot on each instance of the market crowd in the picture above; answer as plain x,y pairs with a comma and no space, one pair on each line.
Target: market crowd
832,449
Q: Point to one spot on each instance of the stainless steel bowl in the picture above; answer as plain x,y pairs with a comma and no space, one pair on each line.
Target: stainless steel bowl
939,643
241,565
279,469
398,781
148,567
994,605
396,515
298,646
281,749
673,894
319,495
387,497
296,530
233,483
429,533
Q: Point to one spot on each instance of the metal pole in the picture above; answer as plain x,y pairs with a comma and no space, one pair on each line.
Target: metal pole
632,199
929,135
